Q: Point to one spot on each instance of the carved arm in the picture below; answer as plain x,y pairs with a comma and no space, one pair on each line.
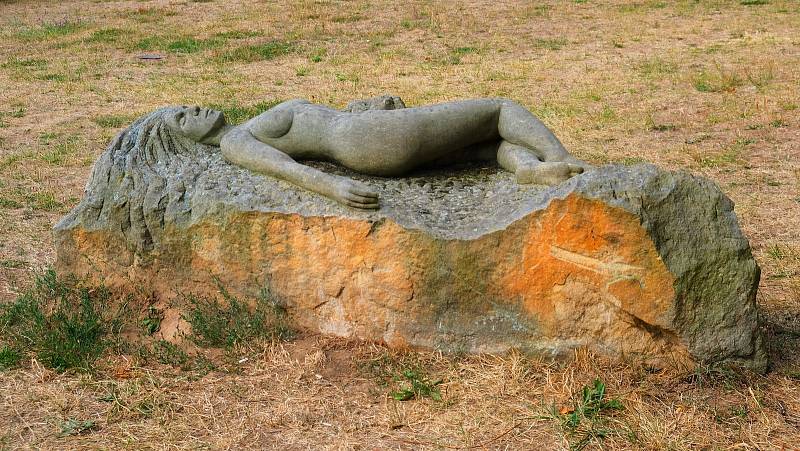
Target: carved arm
241,148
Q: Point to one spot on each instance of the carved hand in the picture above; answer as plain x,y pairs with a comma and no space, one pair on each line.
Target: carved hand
547,173
354,194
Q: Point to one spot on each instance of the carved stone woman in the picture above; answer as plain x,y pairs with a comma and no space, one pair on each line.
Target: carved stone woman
381,141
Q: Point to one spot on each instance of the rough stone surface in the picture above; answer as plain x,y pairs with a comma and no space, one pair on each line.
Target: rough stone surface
632,262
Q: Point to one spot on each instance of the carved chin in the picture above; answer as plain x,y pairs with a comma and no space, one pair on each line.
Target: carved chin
218,123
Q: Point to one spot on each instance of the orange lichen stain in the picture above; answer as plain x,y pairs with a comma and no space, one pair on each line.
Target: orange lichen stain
577,270
589,243
338,276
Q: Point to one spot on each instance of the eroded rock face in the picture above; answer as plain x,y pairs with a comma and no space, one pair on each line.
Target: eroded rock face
631,262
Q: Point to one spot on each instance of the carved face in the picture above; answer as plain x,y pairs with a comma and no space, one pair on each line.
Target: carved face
195,122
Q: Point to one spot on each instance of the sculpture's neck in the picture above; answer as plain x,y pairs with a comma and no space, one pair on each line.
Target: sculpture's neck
215,137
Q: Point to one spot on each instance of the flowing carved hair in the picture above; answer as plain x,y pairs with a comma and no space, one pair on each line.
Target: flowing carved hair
140,181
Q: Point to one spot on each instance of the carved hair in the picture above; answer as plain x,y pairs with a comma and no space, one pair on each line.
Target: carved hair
130,183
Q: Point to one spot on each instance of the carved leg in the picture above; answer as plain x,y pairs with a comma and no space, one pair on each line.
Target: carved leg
518,126
527,168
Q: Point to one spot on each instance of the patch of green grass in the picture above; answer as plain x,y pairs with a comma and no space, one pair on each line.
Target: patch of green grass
63,322
235,113
697,138
9,203
720,81
461,51
43,201
651,125
13,159
30,63
728,377
656,68
65,74
150,15
151,323
726,157
549,110
12,263
318,54
550,43
753,2
455,54
257,52
106,35
192,45
186,44
348,18
776,252
20,197
230,322
607,114
792,373
351,77
586,420
404,375
170,354
778,123
662,127
50,31
423,22
113,120
151,43
58,150
76,427
630,161
9,357
53,76
237,34
760,78
416,385
48,137
536,10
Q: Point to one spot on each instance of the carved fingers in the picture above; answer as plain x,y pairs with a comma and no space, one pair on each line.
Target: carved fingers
355,194
547,173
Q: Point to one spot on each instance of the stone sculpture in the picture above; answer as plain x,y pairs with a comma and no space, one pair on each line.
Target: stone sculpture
376,137
632,262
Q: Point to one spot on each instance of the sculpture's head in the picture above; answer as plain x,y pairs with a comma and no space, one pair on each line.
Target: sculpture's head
196,123
147,167
168,133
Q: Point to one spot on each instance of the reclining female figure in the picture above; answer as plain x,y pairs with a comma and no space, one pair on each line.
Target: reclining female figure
383,142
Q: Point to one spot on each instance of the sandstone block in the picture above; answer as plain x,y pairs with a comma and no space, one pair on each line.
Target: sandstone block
631,262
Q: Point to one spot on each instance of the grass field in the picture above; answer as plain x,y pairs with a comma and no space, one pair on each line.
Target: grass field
707,86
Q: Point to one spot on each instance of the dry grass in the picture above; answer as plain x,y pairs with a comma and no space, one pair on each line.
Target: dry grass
328,394
711,87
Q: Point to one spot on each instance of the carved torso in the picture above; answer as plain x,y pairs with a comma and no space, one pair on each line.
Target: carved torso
380,142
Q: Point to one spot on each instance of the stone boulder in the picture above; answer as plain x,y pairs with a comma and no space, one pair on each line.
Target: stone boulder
630,262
